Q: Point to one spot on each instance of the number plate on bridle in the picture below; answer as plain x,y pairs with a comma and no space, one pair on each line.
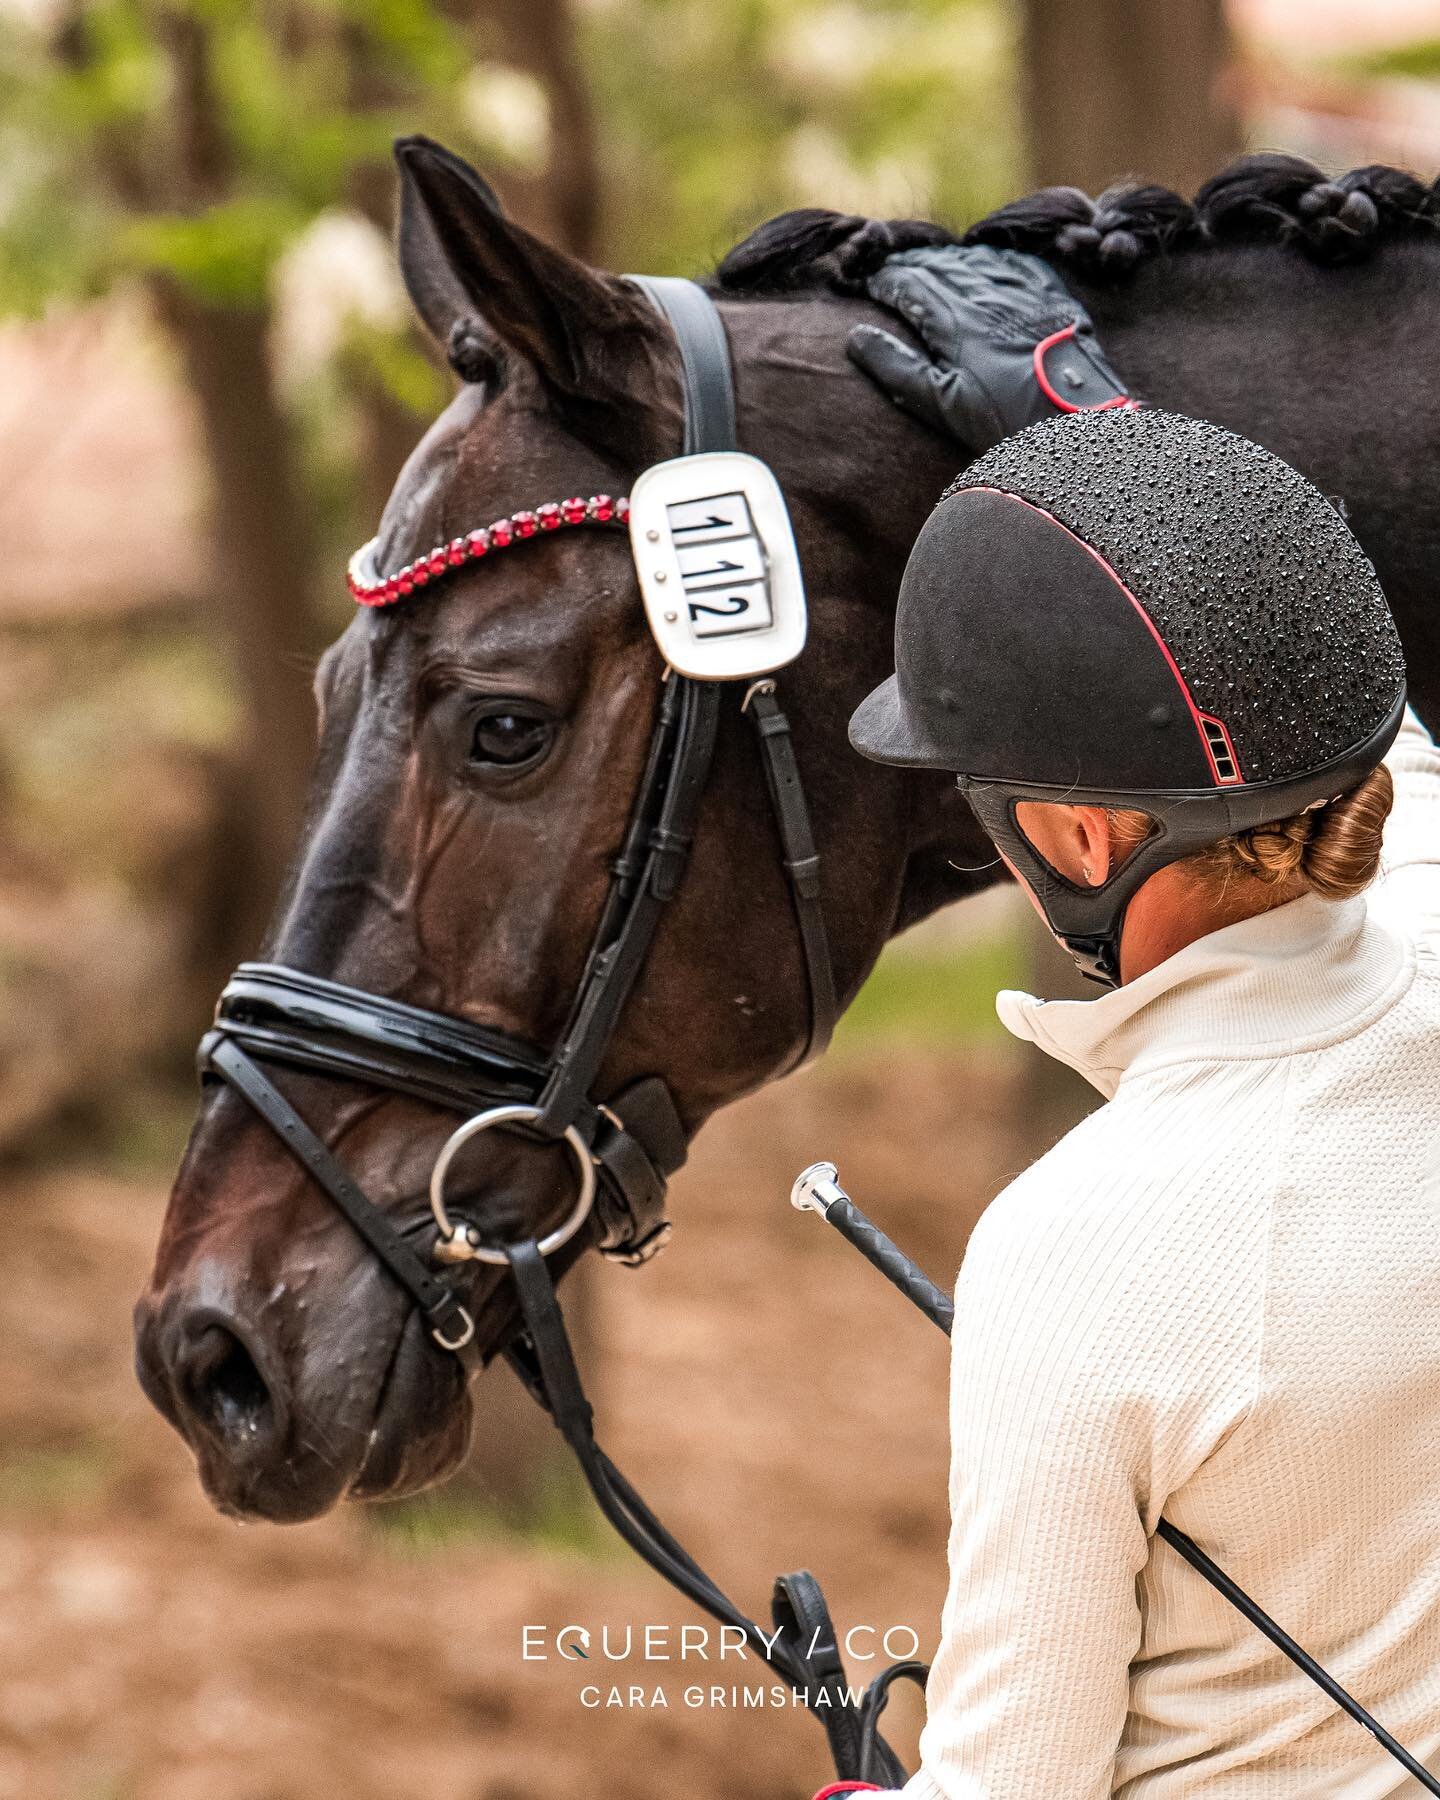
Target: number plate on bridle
718,567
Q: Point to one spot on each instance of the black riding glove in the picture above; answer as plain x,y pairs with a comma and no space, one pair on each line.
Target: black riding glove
1008,343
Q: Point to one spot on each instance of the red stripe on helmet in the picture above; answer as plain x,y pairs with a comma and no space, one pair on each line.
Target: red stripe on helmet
1198,718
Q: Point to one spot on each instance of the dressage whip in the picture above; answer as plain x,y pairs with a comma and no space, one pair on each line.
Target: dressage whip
817,1189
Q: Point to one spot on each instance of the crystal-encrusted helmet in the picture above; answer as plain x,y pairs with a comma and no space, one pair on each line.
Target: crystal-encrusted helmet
1141,610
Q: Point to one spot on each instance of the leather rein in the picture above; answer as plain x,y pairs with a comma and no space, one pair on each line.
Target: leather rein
626,1146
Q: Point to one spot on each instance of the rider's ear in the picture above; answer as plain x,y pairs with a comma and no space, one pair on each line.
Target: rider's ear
587,335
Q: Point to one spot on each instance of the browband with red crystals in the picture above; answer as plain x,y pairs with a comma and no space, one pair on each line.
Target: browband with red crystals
370,588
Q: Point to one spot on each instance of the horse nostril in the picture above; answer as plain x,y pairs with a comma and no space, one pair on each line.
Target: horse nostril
224,1387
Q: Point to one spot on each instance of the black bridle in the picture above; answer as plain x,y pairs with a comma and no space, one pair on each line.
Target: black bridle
635,1138
627,1145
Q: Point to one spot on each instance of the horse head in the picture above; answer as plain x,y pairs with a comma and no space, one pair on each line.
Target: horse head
481,743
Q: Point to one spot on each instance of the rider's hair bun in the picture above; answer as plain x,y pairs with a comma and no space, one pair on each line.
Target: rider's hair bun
1334,849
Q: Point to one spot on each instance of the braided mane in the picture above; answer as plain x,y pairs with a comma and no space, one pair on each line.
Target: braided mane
1266,198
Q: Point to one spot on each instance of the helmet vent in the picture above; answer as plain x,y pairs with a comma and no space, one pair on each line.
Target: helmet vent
1222,751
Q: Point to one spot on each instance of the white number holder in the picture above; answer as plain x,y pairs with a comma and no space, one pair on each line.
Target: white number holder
718,566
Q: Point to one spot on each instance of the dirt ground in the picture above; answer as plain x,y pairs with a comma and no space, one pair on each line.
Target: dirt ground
769,1394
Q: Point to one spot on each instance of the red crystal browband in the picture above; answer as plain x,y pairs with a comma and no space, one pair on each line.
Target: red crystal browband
369,588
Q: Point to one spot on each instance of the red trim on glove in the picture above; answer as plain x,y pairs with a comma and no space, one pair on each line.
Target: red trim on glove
847,1787
1057,399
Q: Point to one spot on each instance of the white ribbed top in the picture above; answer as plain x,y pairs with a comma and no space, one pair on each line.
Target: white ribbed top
1217,1298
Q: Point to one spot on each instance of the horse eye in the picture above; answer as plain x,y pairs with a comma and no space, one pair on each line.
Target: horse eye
509,738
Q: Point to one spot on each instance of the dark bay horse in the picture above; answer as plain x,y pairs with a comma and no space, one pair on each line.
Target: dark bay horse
480,743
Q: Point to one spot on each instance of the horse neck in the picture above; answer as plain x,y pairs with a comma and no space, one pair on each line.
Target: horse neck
860,479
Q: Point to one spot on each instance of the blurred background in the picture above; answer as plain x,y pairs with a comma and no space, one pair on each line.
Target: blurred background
208,379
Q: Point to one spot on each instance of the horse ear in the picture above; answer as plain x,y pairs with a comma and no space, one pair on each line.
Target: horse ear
434,290
583,332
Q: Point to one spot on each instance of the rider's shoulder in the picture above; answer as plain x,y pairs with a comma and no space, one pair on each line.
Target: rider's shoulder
1120,1208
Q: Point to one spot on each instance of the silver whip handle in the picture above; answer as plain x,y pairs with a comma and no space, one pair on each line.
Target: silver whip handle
817,1190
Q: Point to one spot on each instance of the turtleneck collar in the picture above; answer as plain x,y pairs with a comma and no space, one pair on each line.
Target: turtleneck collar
1293,979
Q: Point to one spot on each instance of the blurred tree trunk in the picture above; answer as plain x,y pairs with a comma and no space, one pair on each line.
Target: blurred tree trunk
561,200
264,571
259,520
258,510
389,429
1116,88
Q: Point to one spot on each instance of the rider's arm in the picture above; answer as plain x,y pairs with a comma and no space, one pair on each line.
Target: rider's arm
1407,892
1092,1374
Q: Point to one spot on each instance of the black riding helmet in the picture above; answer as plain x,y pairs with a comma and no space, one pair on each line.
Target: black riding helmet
1138,610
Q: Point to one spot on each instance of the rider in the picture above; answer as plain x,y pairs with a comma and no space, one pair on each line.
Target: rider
1166,677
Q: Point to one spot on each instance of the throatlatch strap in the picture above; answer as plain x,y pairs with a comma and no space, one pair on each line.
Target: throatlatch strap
447,1319
800,856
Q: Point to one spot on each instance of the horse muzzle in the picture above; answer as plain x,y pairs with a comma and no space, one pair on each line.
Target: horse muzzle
305,1398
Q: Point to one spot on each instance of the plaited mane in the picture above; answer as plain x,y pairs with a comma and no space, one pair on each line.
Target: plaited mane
1259,199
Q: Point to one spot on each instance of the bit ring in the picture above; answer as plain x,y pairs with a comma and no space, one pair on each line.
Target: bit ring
461,1242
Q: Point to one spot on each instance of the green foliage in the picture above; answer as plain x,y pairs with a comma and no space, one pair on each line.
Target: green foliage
373,356
200,137
106,1785
713,114
932,995
44,1481
1414,62
193,144
718,115
225,254
416,39
110,74
561,1520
